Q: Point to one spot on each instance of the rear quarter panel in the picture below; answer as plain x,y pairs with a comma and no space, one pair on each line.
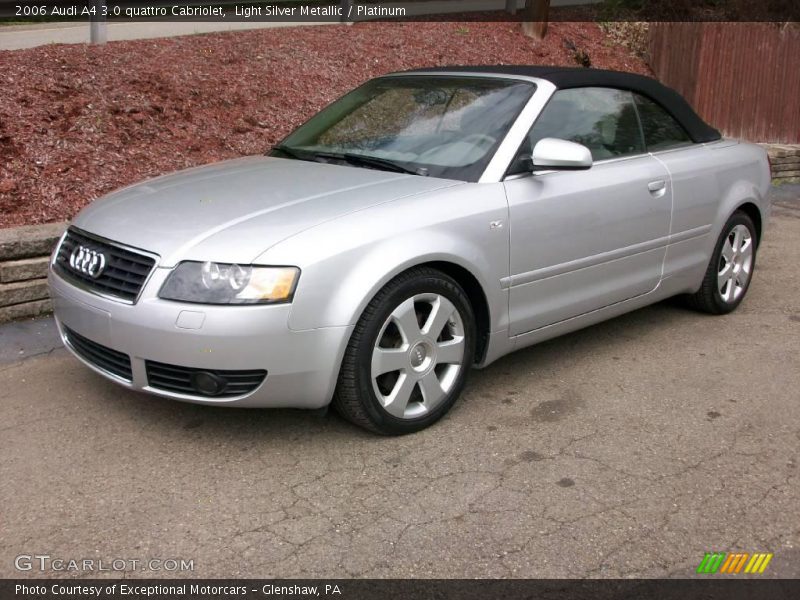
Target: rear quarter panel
709,182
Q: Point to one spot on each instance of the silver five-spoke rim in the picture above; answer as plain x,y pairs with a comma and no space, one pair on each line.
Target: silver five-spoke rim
735,263
418,355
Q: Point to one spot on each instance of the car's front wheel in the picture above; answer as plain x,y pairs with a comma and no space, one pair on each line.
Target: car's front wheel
409,355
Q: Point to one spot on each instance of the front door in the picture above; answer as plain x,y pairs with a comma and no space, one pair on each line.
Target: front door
583,240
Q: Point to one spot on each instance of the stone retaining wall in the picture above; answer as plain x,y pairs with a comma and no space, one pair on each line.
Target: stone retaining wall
785,162
24,254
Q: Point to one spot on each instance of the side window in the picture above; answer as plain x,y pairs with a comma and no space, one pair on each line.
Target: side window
661,131
602,119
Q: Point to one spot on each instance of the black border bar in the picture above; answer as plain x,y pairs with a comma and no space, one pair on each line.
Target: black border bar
303,11
710,587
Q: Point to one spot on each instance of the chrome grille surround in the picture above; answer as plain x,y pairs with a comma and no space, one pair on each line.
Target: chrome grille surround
125,270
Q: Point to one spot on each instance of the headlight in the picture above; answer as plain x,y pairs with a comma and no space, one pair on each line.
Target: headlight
215,283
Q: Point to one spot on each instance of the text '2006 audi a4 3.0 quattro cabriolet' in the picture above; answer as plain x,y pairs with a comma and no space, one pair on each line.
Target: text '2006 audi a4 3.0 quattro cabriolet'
425,223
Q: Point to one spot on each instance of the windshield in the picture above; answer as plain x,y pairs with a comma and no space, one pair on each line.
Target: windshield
441,126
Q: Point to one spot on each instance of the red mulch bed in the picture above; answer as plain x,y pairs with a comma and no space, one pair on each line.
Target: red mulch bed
77,121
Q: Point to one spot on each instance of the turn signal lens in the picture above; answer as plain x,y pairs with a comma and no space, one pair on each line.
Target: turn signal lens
273,284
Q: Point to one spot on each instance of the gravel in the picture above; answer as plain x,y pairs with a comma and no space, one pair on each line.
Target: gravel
78,121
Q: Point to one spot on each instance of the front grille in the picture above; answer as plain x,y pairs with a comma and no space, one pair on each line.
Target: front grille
173,378
122,277
116,363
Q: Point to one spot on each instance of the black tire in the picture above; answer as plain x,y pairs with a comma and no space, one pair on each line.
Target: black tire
708,298
354,398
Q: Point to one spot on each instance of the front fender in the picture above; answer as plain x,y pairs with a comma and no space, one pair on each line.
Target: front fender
346,262
344,301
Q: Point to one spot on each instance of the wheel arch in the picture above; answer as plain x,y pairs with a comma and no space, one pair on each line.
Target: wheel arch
462,274
740,196
752,211
477,298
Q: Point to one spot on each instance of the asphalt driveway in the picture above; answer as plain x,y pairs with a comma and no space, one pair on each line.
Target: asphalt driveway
627,449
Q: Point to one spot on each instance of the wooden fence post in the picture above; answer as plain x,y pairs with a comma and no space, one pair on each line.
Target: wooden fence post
534,19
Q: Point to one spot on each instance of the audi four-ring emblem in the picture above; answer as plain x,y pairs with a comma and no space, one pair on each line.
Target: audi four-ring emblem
87,261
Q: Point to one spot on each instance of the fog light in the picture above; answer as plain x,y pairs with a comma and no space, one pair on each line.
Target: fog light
207,383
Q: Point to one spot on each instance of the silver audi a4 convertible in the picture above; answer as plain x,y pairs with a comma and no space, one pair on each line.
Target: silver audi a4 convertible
425,223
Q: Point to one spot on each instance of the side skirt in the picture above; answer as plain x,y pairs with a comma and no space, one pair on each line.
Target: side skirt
498,347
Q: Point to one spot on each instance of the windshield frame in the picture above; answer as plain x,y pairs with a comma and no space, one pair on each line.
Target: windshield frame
473,172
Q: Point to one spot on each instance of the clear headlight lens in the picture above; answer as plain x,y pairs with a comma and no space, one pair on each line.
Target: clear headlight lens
215,283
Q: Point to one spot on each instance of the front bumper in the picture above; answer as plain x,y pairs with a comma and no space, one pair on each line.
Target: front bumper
302,366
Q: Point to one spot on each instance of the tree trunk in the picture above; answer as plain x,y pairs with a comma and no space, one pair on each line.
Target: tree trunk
534,18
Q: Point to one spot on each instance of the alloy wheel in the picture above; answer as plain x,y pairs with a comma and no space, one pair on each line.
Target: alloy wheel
735,264
418,355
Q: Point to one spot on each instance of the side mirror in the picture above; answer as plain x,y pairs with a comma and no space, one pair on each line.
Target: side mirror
556,154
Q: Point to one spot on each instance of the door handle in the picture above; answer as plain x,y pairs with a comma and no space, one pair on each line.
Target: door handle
657,185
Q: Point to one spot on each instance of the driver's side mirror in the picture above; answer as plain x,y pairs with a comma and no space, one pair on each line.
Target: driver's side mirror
560,155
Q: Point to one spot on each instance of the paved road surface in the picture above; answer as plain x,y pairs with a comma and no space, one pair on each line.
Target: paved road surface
627,449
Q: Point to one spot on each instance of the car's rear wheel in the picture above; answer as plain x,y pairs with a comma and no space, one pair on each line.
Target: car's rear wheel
730,271
409,355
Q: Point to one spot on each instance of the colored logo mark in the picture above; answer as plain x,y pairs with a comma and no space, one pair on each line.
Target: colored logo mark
734,562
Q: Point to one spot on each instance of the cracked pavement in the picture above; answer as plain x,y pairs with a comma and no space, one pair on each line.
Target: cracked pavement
627,449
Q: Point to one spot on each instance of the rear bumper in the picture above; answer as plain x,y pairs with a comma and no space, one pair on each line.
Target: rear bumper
302,366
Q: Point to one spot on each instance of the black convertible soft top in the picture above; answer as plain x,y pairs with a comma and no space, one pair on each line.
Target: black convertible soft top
573,77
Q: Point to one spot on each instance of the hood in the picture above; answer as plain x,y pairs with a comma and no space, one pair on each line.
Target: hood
233,211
